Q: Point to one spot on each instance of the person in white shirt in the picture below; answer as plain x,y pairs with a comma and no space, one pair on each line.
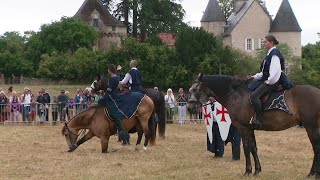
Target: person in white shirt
268,78
26,98
133,78
169,98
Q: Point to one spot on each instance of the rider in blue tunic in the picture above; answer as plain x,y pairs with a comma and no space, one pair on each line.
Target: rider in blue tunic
133,78
271,75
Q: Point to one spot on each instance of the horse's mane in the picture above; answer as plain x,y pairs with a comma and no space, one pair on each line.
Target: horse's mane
225,83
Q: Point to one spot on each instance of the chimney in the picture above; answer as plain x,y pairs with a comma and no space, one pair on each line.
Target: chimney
237,4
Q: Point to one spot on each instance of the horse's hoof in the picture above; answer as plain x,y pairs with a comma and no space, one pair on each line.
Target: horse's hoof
145,148
256,173
136,148
247,173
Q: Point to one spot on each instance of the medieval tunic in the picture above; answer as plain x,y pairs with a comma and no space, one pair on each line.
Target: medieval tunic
134,79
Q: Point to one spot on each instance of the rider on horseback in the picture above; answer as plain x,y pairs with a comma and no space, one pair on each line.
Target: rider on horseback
110,98
133,78
269,78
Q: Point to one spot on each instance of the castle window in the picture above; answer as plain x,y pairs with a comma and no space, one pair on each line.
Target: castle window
249,45
261,43
113,28
95,23
95,18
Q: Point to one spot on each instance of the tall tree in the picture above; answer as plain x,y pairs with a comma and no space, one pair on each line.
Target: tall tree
150,17
12,60
227,7
66,35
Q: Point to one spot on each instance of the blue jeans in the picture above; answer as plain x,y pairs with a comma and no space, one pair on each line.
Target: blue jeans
25,113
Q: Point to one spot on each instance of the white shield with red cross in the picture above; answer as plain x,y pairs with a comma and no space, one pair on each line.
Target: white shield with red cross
208,120
221,114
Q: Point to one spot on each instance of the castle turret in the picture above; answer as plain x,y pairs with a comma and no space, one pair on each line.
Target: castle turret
213,20
286,28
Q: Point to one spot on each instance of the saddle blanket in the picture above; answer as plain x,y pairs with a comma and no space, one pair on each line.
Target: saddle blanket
276,100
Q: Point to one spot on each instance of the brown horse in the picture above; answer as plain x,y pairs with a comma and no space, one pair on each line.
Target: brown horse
302,100
99,125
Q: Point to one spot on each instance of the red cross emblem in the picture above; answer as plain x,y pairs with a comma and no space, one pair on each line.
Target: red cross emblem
222,111
206,115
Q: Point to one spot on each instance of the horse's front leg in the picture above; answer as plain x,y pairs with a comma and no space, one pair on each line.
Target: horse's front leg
104,143
245,135
254,152
85,138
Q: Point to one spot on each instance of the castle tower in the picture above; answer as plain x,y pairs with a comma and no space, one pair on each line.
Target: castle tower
286,29
213,20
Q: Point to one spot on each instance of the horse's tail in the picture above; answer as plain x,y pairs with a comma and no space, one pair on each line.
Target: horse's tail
161,112
152,129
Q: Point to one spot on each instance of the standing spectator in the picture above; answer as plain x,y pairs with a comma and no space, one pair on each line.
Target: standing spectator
54,110
26,98
3,105
41,106
182,106
71,108
15,107
63,101
47,100
67,106
9,94
80,101
33,111
169,98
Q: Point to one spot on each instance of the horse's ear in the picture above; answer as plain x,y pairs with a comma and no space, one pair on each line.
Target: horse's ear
99,77
199,77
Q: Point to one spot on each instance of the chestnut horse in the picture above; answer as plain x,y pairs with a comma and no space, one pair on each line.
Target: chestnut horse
98,124
302,100
156,96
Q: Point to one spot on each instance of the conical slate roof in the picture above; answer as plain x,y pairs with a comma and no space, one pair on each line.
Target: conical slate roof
285,20
213,12
89,6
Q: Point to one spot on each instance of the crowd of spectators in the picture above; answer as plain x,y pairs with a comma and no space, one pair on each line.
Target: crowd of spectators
43,107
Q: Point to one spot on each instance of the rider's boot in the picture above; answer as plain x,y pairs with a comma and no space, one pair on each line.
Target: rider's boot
258,121
121,131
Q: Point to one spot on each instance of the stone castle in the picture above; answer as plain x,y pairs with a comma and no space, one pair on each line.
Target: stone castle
250,22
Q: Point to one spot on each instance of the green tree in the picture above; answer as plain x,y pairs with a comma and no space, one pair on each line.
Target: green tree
149,17
66,35
12,59
227,7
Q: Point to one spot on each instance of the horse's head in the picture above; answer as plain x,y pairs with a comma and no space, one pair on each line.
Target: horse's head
71,137
101,83
199,93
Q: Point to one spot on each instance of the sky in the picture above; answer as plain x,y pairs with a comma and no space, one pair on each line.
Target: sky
25,15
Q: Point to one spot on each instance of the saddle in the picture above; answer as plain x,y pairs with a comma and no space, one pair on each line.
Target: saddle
275,100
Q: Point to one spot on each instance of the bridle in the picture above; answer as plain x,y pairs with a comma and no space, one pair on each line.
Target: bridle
73,142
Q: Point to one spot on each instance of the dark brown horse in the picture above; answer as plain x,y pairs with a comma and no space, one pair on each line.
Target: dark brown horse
156,96
98,124
302,100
